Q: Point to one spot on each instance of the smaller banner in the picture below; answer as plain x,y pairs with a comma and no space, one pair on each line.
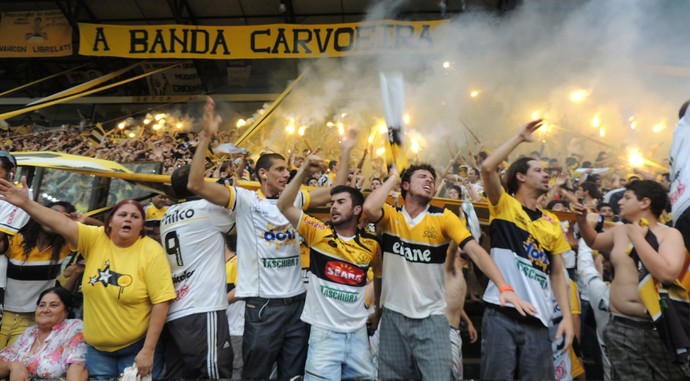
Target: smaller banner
35,34
182,79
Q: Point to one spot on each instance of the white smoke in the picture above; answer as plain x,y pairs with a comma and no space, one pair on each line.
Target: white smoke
630,57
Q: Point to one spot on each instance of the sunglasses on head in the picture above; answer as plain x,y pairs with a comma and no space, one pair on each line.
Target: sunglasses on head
9,157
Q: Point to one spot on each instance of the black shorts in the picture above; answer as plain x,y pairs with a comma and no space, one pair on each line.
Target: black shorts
198,346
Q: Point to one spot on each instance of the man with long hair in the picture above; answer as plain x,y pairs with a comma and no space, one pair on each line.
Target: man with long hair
526,244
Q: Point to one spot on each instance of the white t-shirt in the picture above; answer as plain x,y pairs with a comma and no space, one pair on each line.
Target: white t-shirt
12,218
192,236
269,264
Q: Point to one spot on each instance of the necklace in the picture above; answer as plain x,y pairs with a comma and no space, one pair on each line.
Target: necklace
38,343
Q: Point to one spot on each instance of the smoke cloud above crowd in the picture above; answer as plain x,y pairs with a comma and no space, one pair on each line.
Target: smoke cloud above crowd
605,76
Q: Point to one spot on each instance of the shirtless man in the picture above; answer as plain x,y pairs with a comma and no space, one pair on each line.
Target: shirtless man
455,293
641,247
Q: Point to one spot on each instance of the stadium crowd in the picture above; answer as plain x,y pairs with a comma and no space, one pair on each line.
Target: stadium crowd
217,281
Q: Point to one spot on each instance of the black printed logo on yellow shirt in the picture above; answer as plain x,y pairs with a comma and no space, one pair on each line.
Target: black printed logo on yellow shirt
107,277
430,232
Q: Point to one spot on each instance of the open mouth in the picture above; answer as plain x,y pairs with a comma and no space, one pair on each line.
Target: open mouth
126,228
427,188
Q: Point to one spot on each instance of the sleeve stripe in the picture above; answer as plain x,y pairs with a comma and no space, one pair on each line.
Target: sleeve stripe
465,241
383,213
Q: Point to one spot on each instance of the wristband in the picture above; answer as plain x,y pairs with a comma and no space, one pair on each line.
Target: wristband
505,288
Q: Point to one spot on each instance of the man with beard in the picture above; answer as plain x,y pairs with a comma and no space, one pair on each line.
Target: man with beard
340,255
526,244
414,340
269,272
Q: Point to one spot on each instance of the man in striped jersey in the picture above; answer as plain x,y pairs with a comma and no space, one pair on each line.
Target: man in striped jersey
527,244
340,256
414,341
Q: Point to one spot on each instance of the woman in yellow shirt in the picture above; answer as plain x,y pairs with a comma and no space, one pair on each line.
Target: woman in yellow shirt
127,284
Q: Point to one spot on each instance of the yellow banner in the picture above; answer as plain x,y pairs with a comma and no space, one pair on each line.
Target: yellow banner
35,34
259,41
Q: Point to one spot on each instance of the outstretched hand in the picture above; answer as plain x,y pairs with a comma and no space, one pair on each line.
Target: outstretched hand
13,194
313,163
562,178
526,133
211,120
350,139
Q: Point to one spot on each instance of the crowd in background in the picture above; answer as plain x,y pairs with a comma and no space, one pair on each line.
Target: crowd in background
597,183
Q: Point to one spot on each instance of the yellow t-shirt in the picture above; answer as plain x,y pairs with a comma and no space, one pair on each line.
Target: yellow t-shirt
155,214
574,297
575,309
231,270
120,285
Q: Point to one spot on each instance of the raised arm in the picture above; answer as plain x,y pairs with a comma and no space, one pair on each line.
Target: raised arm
373,205
597,241
471,191
55,220
213,192
560,181
286,201
321,196
492,182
